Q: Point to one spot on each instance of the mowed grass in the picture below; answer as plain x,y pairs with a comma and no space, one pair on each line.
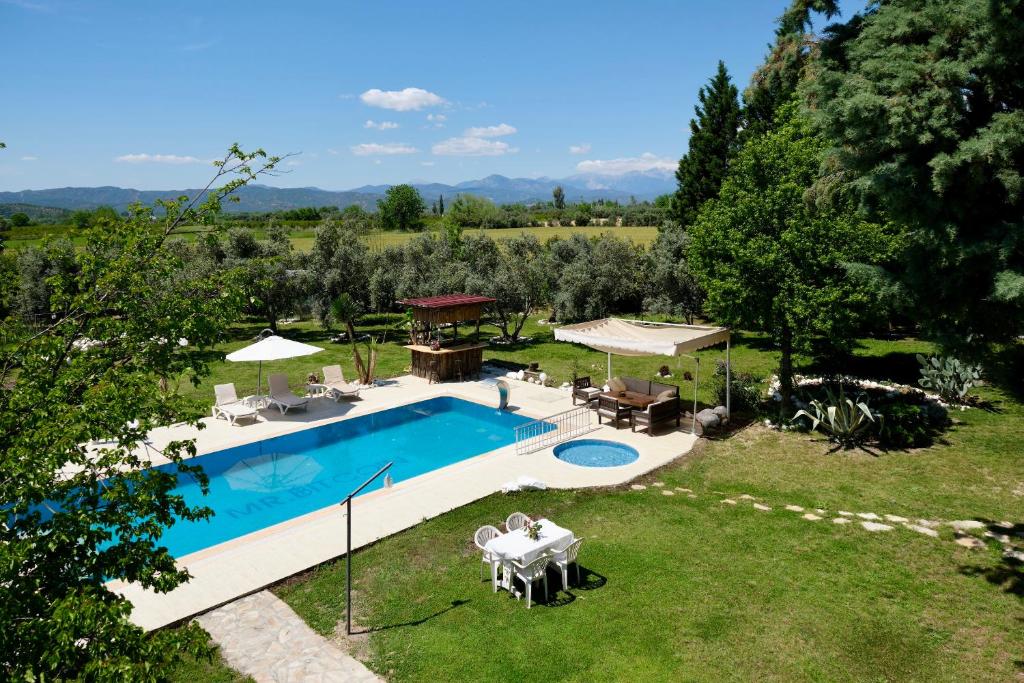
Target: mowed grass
692,589
302,238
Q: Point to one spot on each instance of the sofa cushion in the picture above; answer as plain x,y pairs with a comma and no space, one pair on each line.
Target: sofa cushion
616,385
658,388
668,393
638,386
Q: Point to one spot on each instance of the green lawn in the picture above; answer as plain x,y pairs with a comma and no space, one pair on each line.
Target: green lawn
692,589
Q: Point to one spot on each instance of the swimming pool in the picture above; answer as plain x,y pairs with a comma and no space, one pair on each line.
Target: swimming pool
596,453
260,484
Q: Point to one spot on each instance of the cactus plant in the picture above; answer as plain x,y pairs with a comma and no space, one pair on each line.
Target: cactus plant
844,420
948,377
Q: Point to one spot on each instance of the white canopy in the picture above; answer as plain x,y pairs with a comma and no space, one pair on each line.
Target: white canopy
639,338
271,348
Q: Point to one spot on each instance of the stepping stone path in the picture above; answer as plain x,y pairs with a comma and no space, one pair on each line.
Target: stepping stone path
747,496
841,520
969,541
1017,555
927,531
930,523
820,511
261,636
794,508
870,516
668,493
638,487
659,484
966,524
844,513
811,517
691,495
684,490
897,519
762,508
876,526
729,501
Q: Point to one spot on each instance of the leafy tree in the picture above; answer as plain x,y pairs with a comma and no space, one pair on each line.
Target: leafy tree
558,194
473,211
713,142
673,289
775,82
513,274
772,261
76,517
924,102
346,310
81,219
265,268
105,215
338,264
40,271
401,208
593,278
582,215
20,220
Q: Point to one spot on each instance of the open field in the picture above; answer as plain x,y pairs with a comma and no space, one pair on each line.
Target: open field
690,588
302,237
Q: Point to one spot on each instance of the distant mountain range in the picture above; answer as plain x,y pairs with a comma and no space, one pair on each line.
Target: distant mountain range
262,198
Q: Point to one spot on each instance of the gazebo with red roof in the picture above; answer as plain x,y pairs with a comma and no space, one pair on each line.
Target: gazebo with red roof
437,359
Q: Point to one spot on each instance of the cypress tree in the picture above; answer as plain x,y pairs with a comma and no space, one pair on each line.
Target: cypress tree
713,136
440,205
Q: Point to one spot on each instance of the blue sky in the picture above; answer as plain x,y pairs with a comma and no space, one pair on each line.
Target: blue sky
144,94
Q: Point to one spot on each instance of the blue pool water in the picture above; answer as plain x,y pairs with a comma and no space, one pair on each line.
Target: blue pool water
596,453
260,484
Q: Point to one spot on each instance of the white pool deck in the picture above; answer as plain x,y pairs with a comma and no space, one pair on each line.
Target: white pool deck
238,567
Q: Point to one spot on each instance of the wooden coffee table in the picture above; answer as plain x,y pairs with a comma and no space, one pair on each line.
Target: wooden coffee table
631,401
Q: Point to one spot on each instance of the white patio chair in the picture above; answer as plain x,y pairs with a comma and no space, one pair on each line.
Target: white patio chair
528,574
517,520
282,397
480,538
229,406
335,385
563,557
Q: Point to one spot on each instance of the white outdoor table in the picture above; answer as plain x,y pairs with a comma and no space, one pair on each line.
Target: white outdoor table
516,545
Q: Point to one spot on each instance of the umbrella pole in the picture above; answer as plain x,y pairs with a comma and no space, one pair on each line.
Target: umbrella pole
696,378
259,379
728,380
609,366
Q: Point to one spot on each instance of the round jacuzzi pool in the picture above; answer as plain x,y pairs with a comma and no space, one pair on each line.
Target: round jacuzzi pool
596,453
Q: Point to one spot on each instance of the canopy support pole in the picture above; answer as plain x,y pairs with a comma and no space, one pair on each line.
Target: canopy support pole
728,379
609,366
696,380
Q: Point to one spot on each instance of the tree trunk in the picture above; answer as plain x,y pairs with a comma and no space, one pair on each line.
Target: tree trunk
360,368
786,373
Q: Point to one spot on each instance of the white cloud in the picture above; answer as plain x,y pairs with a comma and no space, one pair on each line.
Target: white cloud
380,125
498,131
389,148
401,100
332,151
158,159
29,158
579,149
623,165
437,118
472,147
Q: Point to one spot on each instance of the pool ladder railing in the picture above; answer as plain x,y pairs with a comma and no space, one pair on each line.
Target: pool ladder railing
554,429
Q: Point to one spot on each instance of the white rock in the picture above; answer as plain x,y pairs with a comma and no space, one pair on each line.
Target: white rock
683,489
840,520
876,526
844,513
966,524
659,484
1017,555
729,501
969,542
897,519
923,530
820,511
868,515
810,516
930,523
638,487
747,496
1002,538
794,508
762,508
668,493
691,495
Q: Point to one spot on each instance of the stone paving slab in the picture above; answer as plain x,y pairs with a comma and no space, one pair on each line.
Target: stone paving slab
259,635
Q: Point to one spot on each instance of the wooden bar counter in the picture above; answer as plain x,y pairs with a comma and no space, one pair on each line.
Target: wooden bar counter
469,356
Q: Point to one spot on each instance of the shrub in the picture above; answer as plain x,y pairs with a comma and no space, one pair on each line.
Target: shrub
746,394
948,376
904,425
845,421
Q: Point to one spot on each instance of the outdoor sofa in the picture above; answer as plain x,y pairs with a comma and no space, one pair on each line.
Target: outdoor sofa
667,410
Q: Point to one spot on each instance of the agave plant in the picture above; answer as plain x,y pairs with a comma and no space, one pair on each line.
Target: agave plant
950,378
844,420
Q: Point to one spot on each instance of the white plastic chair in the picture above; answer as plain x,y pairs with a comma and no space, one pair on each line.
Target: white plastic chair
536,570
480,538
517,520
335,385
566,556
282,397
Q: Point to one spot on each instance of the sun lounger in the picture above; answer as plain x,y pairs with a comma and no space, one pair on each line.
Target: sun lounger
335,386
282,397
229,406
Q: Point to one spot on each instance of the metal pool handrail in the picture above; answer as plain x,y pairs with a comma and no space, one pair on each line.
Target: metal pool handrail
348,551
553,429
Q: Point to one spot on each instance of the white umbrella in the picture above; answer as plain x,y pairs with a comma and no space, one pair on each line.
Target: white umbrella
272,348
